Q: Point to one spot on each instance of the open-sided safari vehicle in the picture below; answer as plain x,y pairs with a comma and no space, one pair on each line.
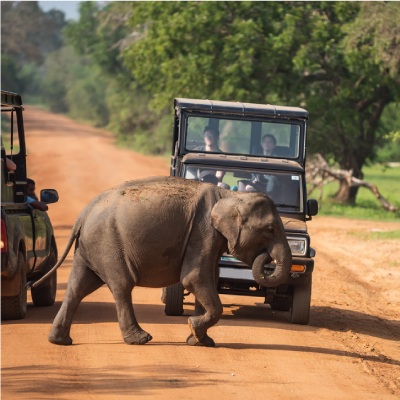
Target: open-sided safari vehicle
250,147
28,246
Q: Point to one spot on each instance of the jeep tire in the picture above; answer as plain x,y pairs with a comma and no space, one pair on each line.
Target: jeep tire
14,307
300,313
45,294
174,300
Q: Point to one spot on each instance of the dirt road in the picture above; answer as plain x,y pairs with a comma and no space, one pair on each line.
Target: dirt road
350,349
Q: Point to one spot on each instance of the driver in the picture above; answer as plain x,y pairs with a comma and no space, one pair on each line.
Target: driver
268,144
211,138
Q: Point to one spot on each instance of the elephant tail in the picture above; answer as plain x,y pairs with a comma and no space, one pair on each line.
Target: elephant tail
74,234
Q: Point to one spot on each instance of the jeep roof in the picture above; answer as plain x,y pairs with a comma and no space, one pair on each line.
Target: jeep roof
238,108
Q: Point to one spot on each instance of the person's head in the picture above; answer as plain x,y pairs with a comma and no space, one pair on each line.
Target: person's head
30,188
211,136
268,143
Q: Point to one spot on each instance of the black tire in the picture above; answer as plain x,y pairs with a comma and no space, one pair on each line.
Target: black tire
280,307
45,294
300,313
14,307
164,295
174,300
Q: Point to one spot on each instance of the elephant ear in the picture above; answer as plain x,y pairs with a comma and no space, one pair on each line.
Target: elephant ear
226,219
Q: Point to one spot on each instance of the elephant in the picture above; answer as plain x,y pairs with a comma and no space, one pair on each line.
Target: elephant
159,231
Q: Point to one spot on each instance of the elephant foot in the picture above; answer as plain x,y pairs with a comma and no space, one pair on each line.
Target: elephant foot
206,341
140,337
197,331
60,339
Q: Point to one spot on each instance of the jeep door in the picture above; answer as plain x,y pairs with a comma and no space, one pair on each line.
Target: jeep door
39,223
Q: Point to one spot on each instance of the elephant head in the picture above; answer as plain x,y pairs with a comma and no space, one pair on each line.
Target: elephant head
255,235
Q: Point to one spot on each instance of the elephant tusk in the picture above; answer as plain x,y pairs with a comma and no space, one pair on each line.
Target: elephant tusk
275,261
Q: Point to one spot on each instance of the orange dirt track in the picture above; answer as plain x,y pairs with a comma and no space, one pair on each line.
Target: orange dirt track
350,349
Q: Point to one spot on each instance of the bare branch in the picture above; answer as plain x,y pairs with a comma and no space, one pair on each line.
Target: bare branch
319,173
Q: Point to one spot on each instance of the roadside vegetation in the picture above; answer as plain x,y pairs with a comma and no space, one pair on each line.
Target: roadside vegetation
366,205
120,65
378,235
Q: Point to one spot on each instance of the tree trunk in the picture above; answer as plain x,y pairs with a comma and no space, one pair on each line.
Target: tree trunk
347,194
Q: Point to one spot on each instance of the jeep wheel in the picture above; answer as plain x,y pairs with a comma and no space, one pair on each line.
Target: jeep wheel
300,313
174,300
14,307
45,294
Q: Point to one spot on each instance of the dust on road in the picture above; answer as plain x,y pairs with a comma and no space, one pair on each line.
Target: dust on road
350,349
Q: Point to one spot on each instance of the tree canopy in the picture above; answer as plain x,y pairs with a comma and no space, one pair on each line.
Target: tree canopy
319,55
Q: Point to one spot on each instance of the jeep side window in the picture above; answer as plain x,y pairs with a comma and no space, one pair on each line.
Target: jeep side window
9,132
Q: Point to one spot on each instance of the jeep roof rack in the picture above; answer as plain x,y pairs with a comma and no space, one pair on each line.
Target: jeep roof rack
238,108
10,99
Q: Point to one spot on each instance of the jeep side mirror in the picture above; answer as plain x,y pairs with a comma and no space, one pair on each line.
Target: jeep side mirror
312,207
49,196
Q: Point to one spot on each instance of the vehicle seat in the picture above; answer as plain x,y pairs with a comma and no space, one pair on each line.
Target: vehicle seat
257,149
283,151
210,179
250,188
224,186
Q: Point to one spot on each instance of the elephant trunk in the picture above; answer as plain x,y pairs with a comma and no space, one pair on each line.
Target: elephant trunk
278,276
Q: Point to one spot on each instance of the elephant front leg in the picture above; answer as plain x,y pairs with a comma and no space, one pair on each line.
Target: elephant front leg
208,309
130,329
206,341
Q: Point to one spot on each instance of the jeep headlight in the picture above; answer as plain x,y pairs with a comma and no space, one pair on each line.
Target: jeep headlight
298,246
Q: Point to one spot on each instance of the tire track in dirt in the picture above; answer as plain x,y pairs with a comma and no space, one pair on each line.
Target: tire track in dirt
267,356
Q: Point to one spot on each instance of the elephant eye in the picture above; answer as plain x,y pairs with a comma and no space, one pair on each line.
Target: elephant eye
270,228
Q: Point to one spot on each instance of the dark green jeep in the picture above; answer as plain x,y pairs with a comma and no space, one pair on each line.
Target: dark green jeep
250,147
28,246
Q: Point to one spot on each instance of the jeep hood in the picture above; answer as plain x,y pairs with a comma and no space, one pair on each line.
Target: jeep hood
294,225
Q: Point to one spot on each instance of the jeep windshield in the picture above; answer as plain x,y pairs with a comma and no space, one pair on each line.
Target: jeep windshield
236,135
284,188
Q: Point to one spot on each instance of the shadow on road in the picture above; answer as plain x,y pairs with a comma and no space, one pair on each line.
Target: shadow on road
342,320
118,380
307,349
260,316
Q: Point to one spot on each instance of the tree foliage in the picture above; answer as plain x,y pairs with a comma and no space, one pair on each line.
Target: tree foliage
27,32
319,55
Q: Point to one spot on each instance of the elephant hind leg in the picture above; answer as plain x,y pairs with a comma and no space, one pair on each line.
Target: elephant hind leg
82,281
130,329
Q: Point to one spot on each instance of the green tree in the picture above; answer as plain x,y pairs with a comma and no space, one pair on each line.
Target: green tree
27,32
99,35
294,53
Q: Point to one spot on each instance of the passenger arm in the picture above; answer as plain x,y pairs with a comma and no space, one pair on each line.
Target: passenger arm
39,205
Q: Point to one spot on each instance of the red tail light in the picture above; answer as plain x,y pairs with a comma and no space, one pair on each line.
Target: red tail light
4,241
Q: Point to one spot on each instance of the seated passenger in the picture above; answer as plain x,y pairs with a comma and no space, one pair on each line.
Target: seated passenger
32,199
10,164
268,143
211,137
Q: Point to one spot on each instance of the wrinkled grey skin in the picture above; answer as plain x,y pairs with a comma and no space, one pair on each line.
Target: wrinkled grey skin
159,231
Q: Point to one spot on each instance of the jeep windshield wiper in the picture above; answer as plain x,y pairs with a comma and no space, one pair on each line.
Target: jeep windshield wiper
286,205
